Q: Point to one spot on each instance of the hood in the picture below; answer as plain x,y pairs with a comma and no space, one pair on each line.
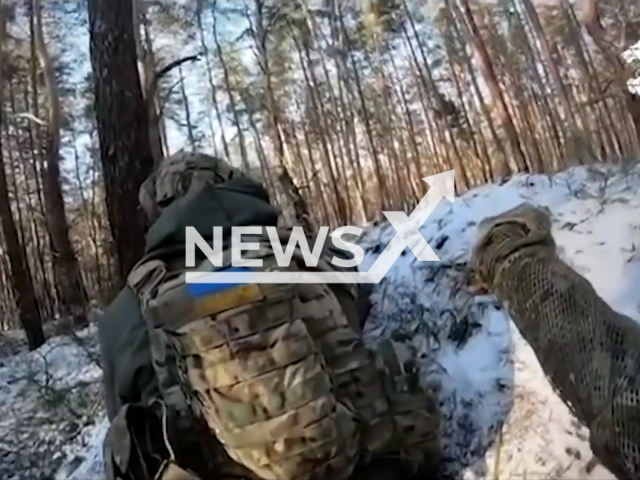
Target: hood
237,202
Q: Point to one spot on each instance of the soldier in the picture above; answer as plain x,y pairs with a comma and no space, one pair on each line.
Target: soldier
254,381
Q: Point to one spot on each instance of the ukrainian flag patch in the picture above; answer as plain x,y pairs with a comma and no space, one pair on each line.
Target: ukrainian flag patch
211,298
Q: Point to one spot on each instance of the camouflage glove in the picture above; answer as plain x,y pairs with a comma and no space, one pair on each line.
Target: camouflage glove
137,447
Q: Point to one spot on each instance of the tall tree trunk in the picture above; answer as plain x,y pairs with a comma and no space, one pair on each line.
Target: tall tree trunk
591,20
320,120
603,127
230,94
434,128
548,51
123,125
260,33
47,302
73,299
146,70
310,151
543,107
50,287
482,157
22,285
89,216
187,111
346,97
344,118
490,77
442,107
380,177
212,86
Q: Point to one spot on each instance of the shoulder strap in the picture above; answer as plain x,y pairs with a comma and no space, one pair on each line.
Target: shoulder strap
145,275
144,278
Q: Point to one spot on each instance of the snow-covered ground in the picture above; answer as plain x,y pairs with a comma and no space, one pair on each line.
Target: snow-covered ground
502,420
50,402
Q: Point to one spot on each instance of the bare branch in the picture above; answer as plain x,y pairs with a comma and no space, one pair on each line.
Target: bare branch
29,116
153,86
164,100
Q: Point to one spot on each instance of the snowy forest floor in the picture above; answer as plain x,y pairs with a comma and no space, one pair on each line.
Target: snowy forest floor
52,420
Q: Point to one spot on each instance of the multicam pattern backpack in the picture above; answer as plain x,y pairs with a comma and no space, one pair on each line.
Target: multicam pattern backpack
278,374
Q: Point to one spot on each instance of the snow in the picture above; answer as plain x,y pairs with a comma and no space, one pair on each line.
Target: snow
49,399
631,55
501,417
493,377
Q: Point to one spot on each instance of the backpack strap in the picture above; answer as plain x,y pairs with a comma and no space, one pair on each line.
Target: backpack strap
145,275
144,278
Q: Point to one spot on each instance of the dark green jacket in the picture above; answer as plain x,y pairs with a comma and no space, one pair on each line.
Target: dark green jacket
128,371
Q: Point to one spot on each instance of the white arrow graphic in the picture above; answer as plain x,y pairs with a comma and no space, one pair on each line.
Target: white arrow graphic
407,235
408,228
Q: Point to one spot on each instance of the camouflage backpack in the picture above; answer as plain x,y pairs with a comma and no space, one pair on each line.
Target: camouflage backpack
282,380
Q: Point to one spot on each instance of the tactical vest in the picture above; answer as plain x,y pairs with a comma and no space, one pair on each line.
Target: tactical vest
283,382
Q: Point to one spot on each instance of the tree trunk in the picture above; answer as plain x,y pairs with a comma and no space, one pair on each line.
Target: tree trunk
73,299
470,139
380,177
46,301
548,51
591,20
123,125
494,87
319,187
441,104
346,97
22,285
301,210
410,126
227,82
146,70
89,216
187,111
603,127
212,86
319,118
260,32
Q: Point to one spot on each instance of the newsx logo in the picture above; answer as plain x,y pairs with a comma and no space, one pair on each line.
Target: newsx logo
407,235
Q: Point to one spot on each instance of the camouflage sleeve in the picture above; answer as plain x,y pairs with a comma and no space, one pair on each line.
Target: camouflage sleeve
129,376
587,350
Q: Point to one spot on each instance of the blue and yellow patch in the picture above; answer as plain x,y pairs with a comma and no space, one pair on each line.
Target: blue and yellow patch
212,298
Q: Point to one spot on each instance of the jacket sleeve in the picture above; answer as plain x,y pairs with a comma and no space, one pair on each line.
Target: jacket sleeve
129,376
